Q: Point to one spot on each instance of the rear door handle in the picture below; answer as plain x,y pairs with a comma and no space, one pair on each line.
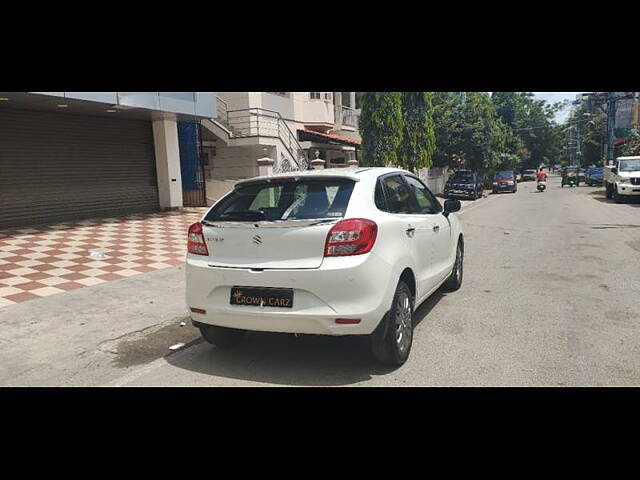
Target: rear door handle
436,228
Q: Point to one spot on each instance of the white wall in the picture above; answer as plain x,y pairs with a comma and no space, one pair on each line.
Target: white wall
216,189
298,107
434,178
237,162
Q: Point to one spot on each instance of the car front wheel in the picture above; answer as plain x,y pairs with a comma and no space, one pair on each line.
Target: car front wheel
391,341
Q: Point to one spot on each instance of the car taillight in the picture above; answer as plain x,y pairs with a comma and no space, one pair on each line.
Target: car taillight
195,240
353,236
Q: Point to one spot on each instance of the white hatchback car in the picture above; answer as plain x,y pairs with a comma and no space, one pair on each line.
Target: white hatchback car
346,251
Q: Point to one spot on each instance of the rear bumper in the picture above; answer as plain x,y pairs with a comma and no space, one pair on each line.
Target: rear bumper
359,287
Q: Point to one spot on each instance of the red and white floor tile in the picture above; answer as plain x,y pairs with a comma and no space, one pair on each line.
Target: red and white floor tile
41,261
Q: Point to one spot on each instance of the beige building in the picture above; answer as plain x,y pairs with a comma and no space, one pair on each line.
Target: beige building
292,128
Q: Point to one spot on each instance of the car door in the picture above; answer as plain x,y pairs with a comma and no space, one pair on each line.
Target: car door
416,230
437,231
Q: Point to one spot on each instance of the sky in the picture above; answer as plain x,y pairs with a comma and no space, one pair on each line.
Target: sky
552,97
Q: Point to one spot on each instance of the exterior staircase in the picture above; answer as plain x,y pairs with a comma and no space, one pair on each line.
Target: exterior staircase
230,125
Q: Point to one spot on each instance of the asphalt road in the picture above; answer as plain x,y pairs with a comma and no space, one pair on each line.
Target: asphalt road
547,299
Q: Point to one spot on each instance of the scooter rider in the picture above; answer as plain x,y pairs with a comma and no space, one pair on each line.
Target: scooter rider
542,177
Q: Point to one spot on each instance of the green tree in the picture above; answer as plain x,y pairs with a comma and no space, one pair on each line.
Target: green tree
418,138
483,137
536,138
592,124
447,125
632,147
381,126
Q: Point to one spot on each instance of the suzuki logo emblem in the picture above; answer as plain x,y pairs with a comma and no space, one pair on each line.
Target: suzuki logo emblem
257,240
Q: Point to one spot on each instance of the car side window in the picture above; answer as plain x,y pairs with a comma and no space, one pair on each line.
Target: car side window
398,195
381,202
426,202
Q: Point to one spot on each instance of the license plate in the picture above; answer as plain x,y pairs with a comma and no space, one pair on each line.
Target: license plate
262,297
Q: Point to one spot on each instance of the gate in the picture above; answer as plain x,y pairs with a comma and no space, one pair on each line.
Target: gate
192,162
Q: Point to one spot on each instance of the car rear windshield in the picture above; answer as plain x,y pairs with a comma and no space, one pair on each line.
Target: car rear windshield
629,165
285,200
504,175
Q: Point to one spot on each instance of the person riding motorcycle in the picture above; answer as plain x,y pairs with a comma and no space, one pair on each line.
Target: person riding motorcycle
542,177
542,180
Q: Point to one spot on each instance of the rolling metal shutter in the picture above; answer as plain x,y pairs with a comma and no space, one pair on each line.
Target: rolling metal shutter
58,167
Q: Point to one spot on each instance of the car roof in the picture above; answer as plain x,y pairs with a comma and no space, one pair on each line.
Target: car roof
353,173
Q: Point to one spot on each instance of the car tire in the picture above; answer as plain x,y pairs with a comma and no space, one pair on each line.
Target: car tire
220,336
454,282
607,190
392,339
494,191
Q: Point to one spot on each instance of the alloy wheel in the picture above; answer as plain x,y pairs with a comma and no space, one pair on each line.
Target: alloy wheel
459,267
404,328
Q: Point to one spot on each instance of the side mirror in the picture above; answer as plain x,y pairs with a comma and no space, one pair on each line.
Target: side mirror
451,206
614,170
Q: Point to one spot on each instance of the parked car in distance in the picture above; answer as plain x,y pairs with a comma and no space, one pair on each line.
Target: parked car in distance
504,182
464,183
346,251
529,174
594,176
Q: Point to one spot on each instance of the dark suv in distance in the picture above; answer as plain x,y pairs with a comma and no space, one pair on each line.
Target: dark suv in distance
464,183
504,182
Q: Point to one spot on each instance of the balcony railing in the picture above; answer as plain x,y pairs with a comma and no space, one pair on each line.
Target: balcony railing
347,115
260,122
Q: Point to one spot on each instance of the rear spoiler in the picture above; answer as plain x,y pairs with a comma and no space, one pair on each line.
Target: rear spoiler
293,178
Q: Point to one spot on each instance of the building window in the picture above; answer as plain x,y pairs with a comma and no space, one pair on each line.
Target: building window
315,95
327,96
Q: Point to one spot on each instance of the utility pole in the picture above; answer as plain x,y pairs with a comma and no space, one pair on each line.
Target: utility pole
578,155
611,125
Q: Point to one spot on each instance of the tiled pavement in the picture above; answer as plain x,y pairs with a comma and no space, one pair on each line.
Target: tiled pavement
42,261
